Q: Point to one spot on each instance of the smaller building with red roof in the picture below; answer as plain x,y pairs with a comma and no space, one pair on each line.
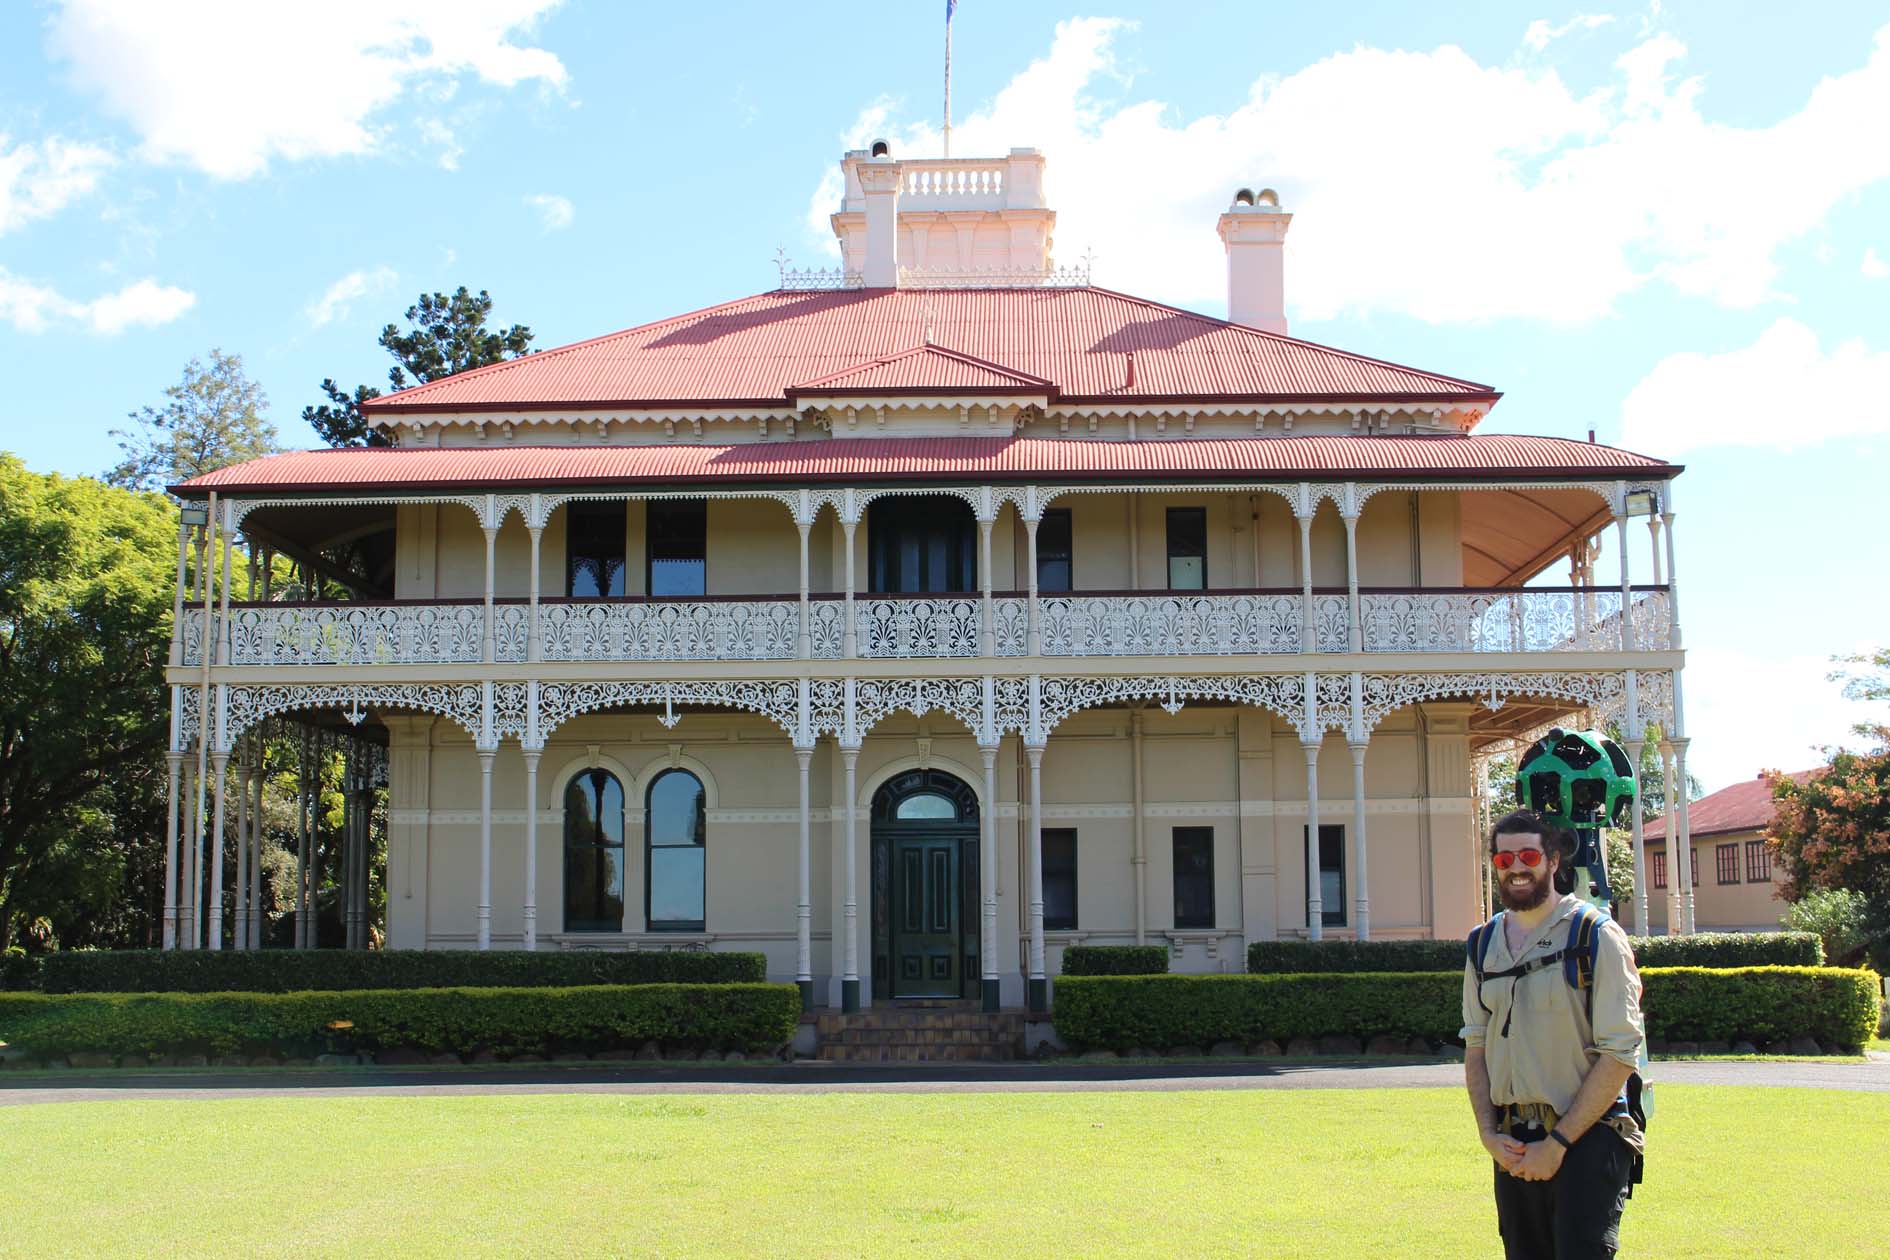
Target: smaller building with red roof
1735,880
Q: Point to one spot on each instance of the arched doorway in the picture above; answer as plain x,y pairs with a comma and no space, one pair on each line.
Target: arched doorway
925,881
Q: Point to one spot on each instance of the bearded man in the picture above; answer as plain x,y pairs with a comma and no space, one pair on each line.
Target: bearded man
1546,1061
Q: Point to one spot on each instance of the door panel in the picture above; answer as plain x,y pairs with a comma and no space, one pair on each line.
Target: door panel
925,935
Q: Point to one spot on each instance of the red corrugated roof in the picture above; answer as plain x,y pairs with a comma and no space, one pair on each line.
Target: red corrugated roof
1443,457
928,368
1742,807
749,352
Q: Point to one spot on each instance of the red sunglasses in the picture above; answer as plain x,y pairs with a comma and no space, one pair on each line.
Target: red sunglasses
1505,858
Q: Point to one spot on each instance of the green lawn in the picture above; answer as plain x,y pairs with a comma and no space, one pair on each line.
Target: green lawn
1741,1172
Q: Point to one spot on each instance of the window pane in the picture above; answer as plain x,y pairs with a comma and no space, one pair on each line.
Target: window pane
920,544
1657,868
1054,558
675,885
1726,861
1331,875
594,550
676,810
1758,862
678,531
593,853
1059,879
1194,877
926,805
1187,549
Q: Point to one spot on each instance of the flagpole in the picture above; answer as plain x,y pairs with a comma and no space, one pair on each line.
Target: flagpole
949,6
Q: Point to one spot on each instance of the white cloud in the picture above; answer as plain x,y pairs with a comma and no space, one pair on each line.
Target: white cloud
226,85
1783,390
1874,268
33,308
1748,712
1541,33
335,302
554,212
1425,183
39,179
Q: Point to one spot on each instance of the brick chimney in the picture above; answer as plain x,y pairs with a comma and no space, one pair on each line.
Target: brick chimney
1254,232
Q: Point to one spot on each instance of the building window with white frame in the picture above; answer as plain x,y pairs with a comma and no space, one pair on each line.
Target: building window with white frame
1331,875
1194,877
676,833
1187,549
593,853
1059,879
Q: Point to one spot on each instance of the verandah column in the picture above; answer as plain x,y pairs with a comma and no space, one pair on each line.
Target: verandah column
987,613
1633,746
1357,740
804,903
1355,626
1304,508
1033,603
488,639
849,633
1627,590
174,763
1038,997
531,847
256,840
850,976
190,861
1670,830
1685,837
804,635
533,642
485,846
1311,735
239,908
987,879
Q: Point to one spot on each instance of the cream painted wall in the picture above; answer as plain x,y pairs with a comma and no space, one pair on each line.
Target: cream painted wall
754,547
1240,772
1717,907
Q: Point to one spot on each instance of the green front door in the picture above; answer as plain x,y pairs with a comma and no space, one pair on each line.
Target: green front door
926,916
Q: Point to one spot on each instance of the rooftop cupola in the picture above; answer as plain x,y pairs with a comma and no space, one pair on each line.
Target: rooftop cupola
943,222
1254,232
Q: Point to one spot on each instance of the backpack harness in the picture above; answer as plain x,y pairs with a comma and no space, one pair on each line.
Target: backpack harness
1577,958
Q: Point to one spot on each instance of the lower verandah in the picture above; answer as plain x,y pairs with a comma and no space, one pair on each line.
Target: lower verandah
1218,861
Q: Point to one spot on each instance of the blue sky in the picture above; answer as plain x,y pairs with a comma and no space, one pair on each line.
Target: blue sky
1669,224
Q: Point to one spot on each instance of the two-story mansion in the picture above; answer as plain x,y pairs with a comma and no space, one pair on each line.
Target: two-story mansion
910,622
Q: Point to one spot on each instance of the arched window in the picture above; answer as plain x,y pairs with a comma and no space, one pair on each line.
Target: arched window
675,831
593,853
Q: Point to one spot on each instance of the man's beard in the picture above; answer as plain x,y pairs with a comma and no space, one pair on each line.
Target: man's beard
1537,894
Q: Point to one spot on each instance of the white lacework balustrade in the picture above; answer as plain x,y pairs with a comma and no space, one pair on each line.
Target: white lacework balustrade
907,627
1509,621
671,630
917,627
1173,624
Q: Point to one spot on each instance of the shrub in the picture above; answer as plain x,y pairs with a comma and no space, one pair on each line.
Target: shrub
748,1017
1306,957
1730,949
18,971
1161,1012
1839,917
1115,960
294,970
1838,1006
1703,949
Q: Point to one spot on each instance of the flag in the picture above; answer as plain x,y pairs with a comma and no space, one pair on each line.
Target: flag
950,7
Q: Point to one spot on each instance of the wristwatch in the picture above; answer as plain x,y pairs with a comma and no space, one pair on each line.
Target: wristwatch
1565,1143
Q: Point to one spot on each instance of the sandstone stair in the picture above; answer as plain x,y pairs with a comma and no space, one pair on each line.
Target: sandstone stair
930,1031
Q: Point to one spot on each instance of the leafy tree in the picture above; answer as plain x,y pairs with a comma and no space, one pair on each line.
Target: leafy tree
85,608
1840,916
448,334
1833,830
213,417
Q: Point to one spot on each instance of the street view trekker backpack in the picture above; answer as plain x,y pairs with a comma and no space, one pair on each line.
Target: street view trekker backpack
1577,958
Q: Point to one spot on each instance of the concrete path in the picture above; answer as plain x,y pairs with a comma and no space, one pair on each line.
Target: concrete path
815,1077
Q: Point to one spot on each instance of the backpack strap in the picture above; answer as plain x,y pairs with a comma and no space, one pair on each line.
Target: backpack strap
1477,950
1581,954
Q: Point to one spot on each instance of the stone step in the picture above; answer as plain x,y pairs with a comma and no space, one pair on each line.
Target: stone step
982,1053
907,1037
828,1025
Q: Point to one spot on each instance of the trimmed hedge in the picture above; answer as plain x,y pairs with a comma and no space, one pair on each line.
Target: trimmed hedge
1269,958
297,970
1704,949
1838,1006
1115,960
757,1018
1730,949
19,972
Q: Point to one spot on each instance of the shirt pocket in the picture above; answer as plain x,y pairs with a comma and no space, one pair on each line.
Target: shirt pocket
1538,991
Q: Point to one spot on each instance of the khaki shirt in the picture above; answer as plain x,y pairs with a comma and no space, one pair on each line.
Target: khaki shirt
1550,1046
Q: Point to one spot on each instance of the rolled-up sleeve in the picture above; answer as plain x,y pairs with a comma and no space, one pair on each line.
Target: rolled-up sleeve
1476,1020
1619,1031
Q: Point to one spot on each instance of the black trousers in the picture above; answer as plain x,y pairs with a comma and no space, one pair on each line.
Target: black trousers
1577,1214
